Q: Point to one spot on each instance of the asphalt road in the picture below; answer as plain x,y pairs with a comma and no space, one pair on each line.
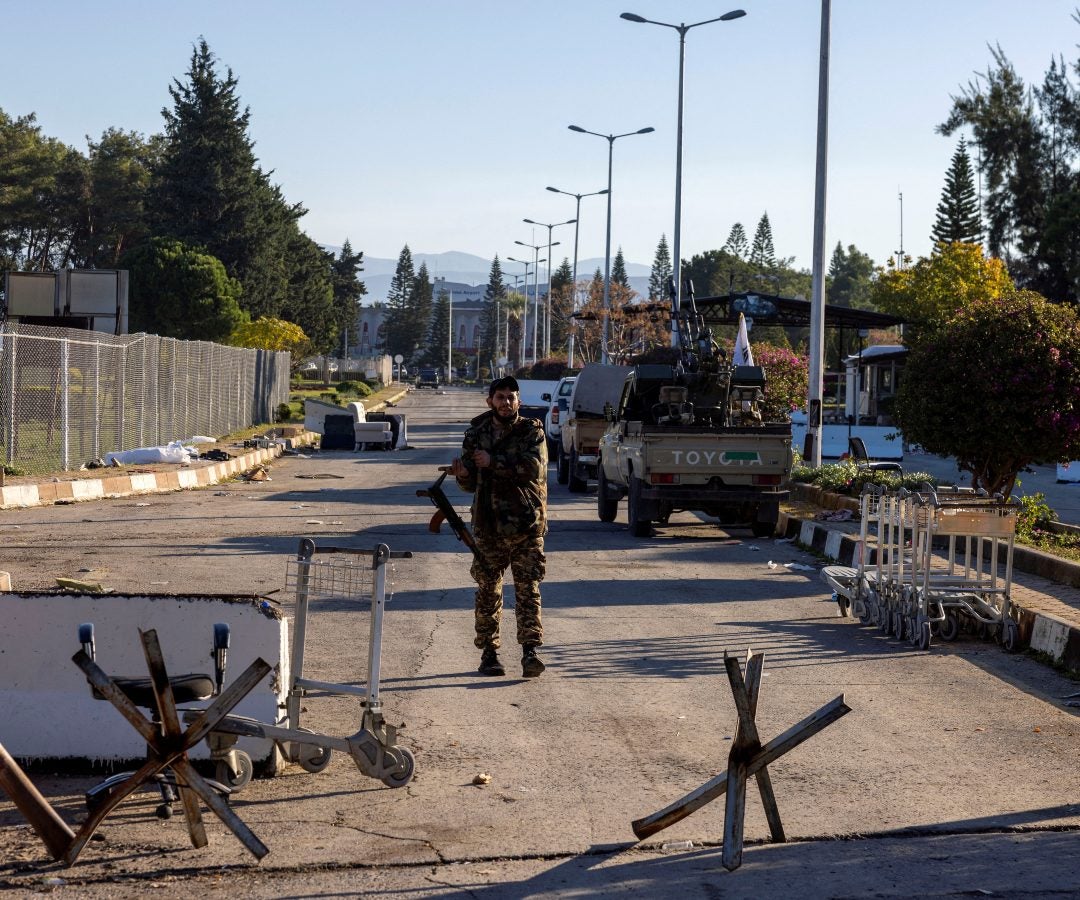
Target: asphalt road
955,773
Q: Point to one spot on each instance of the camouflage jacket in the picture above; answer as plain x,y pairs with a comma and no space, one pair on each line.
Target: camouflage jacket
509,496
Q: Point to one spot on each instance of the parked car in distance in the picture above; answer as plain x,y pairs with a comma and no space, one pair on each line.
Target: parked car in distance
532,394
427,377
558,404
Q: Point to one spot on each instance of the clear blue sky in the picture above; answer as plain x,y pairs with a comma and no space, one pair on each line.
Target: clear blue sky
439,123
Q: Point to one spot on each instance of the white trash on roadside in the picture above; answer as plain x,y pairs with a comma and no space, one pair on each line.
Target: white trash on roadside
173,452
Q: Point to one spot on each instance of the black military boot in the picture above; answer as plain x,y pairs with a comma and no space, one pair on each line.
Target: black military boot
531,665
490,664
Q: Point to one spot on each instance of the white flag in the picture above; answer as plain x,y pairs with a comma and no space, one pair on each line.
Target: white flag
743,356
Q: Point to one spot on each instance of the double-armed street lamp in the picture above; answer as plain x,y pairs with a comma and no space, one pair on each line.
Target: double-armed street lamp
547,314
677,246
573,294
536,286
525,311
611,139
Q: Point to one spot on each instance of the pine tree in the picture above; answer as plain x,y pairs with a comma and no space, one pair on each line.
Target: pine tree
310,296
209,191
398,300
762,253
618,271
958,219
494,297
736,243
421,305
662,271
348,288
438,336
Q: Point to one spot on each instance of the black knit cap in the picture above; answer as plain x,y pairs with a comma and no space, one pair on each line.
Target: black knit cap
507,383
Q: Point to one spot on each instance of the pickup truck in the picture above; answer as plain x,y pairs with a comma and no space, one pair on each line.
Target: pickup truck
597,386
678,440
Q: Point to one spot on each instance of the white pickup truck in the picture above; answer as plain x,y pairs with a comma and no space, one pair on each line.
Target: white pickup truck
597,386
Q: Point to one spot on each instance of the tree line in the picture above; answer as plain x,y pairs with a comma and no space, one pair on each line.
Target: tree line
210,241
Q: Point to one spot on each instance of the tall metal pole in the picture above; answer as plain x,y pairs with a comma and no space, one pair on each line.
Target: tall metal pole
610,138
573,293
677,238
607,259
812,450
450,337
547,305
524,314
682,28
536,297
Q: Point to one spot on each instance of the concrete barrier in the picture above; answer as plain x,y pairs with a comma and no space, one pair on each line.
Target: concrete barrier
46,708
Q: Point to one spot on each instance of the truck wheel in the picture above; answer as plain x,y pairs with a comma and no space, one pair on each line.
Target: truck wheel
576,483
763,529
562,465
607,501
639,527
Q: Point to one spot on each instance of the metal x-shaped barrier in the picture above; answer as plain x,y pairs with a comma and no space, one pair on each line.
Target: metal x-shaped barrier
168,746
748,757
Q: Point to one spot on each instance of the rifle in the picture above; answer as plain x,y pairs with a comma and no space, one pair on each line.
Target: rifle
445,512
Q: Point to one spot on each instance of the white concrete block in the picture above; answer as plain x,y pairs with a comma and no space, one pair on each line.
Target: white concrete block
46,708
1050,635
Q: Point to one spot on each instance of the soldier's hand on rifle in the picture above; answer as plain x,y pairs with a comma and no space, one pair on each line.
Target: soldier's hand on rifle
457,468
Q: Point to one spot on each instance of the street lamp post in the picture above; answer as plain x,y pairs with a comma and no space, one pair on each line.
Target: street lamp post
536,287
573,294
610,138
547,313
524,314
677,249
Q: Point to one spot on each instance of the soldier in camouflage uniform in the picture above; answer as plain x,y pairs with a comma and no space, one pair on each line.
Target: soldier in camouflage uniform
503,463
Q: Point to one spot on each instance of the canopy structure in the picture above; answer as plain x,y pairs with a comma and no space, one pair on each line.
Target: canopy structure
772,309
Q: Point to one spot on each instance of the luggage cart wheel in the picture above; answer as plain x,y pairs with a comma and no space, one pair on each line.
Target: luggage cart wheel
403,774
225,775
1010,636
924,634
861,610
949,630
313,758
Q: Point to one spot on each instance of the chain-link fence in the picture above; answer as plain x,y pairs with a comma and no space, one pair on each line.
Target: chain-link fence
70,396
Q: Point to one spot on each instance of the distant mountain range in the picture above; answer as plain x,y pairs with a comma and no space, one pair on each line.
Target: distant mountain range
469,269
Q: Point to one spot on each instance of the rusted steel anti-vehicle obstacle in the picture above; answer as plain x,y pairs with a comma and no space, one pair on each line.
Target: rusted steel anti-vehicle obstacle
748,757
167,747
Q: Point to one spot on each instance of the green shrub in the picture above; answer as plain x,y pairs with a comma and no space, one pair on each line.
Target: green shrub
353,388
845,477
284,412
1034,515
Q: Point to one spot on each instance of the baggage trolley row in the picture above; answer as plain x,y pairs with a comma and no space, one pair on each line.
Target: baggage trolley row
936,568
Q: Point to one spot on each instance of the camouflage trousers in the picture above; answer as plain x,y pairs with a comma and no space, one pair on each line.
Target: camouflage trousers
524,554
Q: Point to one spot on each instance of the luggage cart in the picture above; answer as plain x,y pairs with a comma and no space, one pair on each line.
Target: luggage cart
350,574
855,588
966,585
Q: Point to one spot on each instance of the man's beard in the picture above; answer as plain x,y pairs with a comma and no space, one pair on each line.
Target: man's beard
505,420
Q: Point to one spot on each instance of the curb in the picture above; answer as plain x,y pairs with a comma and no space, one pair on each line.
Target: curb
1040,631
111,486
